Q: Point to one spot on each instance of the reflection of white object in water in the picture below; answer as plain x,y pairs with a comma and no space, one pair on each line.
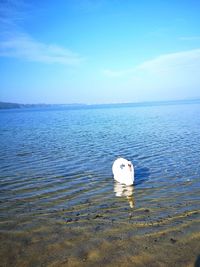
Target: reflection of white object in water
123,171
122,190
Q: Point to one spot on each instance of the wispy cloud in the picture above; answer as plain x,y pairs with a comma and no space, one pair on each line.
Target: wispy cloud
168,63
23,46
12,12
16,43
174,75
174,61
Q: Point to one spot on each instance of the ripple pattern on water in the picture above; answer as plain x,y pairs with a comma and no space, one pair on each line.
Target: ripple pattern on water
55,169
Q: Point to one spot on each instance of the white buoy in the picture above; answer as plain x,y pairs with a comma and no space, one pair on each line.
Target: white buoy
123,171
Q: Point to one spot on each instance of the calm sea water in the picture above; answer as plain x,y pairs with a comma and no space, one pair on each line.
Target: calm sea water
60,205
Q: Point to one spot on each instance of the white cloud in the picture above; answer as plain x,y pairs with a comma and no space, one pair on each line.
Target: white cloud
24,47
16,43
167,63
169,76
172,62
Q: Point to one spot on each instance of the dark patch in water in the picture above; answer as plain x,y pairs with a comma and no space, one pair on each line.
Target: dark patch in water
197,262
173,240
23,154
141,175
146,210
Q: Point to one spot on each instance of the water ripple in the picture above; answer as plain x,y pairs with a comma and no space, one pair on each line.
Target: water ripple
57,169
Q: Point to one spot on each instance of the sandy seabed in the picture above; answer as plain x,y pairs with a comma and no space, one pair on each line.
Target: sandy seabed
77,238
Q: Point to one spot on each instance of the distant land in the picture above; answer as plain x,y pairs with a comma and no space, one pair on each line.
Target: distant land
8,105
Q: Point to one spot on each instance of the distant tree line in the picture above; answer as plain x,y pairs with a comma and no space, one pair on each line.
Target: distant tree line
6,105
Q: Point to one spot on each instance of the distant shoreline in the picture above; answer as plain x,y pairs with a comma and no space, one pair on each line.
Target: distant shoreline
9,105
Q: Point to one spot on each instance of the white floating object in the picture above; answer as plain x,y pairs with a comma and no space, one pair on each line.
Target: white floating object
123,171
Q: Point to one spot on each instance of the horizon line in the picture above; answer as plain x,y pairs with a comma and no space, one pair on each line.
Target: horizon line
96,104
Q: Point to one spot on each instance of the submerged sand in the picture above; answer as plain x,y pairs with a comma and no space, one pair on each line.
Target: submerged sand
84,238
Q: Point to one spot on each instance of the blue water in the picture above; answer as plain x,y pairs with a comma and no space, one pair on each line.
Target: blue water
56,160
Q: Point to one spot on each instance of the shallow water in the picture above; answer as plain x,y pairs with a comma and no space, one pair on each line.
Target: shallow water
60,205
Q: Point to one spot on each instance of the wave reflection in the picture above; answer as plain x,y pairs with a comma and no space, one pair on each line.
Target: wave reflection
126,191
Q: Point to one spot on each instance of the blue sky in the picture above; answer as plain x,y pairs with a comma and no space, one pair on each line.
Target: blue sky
99,51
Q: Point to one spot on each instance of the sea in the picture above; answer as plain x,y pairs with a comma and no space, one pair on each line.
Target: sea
59,203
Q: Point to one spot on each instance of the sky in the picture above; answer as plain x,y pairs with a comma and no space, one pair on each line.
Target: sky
99,51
